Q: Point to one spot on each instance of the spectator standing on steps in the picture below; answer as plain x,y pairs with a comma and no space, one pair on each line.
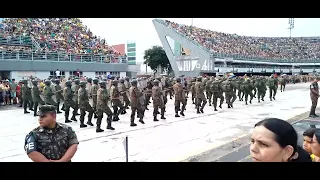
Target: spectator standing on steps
51,141
314,95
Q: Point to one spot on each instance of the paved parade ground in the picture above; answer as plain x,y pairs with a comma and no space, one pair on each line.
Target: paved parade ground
173,139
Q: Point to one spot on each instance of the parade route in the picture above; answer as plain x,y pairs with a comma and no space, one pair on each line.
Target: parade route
173,139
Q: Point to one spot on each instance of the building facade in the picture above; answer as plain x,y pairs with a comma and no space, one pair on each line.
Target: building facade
19,65
131,53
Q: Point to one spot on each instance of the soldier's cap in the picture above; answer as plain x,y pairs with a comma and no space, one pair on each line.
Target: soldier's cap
43,110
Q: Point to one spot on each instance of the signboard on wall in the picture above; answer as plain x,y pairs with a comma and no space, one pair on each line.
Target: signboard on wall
26,73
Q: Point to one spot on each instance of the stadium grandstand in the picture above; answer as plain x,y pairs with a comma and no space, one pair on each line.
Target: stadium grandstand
242,54
40,46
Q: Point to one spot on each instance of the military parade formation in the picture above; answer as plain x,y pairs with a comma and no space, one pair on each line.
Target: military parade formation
120,93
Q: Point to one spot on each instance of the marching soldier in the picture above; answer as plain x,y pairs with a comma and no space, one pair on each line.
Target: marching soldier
75,89
136,103
115,100
179,97
48,93
123,93
26,96
128,85
200,97
215,91
157,96
208,92
94,90
248,87
261,89
148,92
272,88
84,105
102,107
58,93
36,97
230,94
314,95
193,91
68,102
282,84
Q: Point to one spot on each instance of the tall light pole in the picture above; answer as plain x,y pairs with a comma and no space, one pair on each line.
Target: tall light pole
291,25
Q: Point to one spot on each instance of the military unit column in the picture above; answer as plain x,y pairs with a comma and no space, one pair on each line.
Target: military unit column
137,93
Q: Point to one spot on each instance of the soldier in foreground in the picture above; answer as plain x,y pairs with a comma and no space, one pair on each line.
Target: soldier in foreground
179,98
102,107
261,89
36,97
135,103
200,97
314,95
157,96
58,93
26,96
115,100
51,141
94,91
84,105
68,102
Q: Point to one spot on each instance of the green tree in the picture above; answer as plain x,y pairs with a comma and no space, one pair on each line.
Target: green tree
156,56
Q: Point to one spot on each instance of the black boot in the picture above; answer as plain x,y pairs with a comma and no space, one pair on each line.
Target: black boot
62,108
215,109
82,125
220,106
198,110
90,119
155,118
132,122
66,119
73,118
98,128
162,113
181,113
109,121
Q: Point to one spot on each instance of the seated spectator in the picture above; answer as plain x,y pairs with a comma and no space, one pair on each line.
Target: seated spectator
67,35
275,140
226,45
307,141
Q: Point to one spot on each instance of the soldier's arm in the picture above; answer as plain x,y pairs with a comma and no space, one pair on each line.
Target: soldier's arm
73,146
31,148
312,88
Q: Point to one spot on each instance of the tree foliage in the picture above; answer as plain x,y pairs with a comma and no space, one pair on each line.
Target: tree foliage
156,56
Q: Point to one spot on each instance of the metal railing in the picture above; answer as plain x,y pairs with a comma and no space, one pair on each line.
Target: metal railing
60,57
238,57
16,41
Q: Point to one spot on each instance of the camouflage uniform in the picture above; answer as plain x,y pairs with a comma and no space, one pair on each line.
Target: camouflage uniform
84,105
179,97
148,92
261,88
102,107
272,88
247,88
75,89
26,96
58,93
229,93
158,102
47,94
208,91
193,90
124,91
200,97
69,102
36,97
137,104
216,92
314,95
115,100
94,91
51,143
282,84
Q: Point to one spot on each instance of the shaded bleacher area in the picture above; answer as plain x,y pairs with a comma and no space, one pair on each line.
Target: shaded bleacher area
295,49
66,38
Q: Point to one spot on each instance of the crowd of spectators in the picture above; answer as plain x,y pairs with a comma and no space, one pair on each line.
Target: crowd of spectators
251,47
67,35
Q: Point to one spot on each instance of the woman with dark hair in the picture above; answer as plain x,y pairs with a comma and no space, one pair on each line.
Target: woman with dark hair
275,140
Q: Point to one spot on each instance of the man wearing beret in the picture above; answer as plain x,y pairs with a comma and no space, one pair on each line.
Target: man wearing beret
314,95
51,141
